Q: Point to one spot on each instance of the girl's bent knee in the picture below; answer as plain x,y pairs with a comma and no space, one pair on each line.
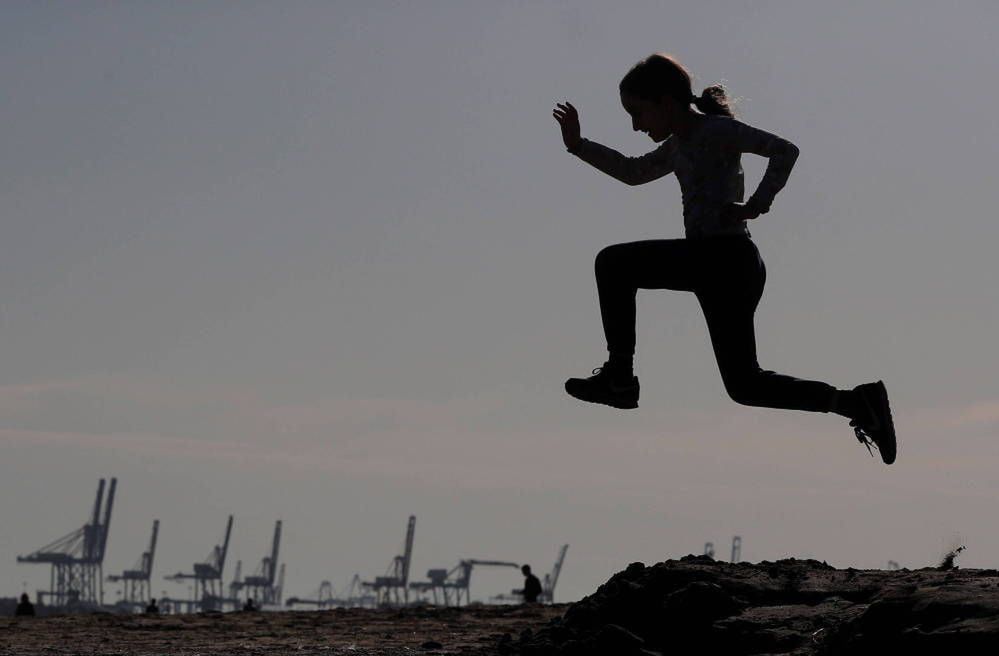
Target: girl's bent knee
742,392
742,397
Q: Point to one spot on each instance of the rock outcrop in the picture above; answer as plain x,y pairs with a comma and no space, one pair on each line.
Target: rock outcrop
803,607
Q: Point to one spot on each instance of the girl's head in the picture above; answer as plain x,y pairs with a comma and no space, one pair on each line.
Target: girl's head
657,93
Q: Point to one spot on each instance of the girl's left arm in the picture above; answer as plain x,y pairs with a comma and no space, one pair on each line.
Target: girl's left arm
781,154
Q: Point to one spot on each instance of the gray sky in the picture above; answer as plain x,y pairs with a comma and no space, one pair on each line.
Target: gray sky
329,262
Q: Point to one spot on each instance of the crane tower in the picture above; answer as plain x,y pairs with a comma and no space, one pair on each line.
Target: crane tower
77,559
208,575
262,585
136,581
392,589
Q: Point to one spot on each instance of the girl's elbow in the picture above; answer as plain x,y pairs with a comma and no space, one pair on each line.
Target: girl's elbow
791,151
630,178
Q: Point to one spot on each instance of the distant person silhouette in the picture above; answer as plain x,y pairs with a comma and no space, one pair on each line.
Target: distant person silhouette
532,585
25,608
249,606
152,608
717,261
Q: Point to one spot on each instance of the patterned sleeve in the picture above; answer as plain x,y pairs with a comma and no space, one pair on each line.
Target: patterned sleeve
781,153
629,170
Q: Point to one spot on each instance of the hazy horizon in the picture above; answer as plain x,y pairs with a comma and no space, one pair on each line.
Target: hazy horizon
329,263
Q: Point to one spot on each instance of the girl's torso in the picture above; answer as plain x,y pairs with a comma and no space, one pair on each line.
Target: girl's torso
710,175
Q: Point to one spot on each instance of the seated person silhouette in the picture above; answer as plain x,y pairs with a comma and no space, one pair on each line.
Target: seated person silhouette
25,608
152,608
532,586
249,606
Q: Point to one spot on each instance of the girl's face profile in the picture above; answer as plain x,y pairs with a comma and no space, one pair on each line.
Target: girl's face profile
652,118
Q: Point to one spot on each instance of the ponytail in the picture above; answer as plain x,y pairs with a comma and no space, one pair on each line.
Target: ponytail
713,100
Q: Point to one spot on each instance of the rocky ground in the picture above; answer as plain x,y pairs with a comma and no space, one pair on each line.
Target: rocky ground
691,606
699,606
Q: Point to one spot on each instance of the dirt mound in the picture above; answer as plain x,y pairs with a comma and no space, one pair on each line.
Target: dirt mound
800,607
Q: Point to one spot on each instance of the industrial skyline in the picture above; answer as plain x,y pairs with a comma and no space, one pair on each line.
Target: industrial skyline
76,581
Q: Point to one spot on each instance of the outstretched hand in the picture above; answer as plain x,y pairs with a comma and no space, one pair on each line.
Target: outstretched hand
568,120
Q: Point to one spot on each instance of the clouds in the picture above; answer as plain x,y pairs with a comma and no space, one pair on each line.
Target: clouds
461,441
983,414
702,471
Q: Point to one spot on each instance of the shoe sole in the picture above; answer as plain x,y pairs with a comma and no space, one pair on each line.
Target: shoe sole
890,424
623,404
878,404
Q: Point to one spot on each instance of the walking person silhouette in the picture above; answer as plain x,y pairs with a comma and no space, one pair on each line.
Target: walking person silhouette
702,143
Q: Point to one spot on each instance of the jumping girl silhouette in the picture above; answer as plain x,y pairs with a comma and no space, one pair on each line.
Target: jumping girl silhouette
718,260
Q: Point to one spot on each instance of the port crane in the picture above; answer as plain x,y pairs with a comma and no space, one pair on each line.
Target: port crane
77,559
321,599
135,582
454,584
548,585
207,575
262,586
392,589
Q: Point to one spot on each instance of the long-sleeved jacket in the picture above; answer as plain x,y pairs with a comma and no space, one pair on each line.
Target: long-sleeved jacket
708,165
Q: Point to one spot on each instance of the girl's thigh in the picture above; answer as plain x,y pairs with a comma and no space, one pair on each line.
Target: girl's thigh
652,264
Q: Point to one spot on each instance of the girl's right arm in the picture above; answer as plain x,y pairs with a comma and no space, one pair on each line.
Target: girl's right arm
629,170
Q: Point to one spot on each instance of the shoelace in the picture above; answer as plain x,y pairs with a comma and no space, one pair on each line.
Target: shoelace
863,436
610,377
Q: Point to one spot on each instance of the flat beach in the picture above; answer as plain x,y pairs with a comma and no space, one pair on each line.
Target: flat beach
475,629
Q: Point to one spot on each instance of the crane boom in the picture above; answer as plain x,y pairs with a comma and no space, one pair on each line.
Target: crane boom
556,571
105,527
90,541
148,565
274,552
225,547
407,557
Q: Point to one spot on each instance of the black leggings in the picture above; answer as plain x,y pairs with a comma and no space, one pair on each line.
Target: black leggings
727,275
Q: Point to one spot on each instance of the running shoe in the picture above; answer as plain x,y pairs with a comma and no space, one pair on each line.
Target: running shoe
606,388
876,428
